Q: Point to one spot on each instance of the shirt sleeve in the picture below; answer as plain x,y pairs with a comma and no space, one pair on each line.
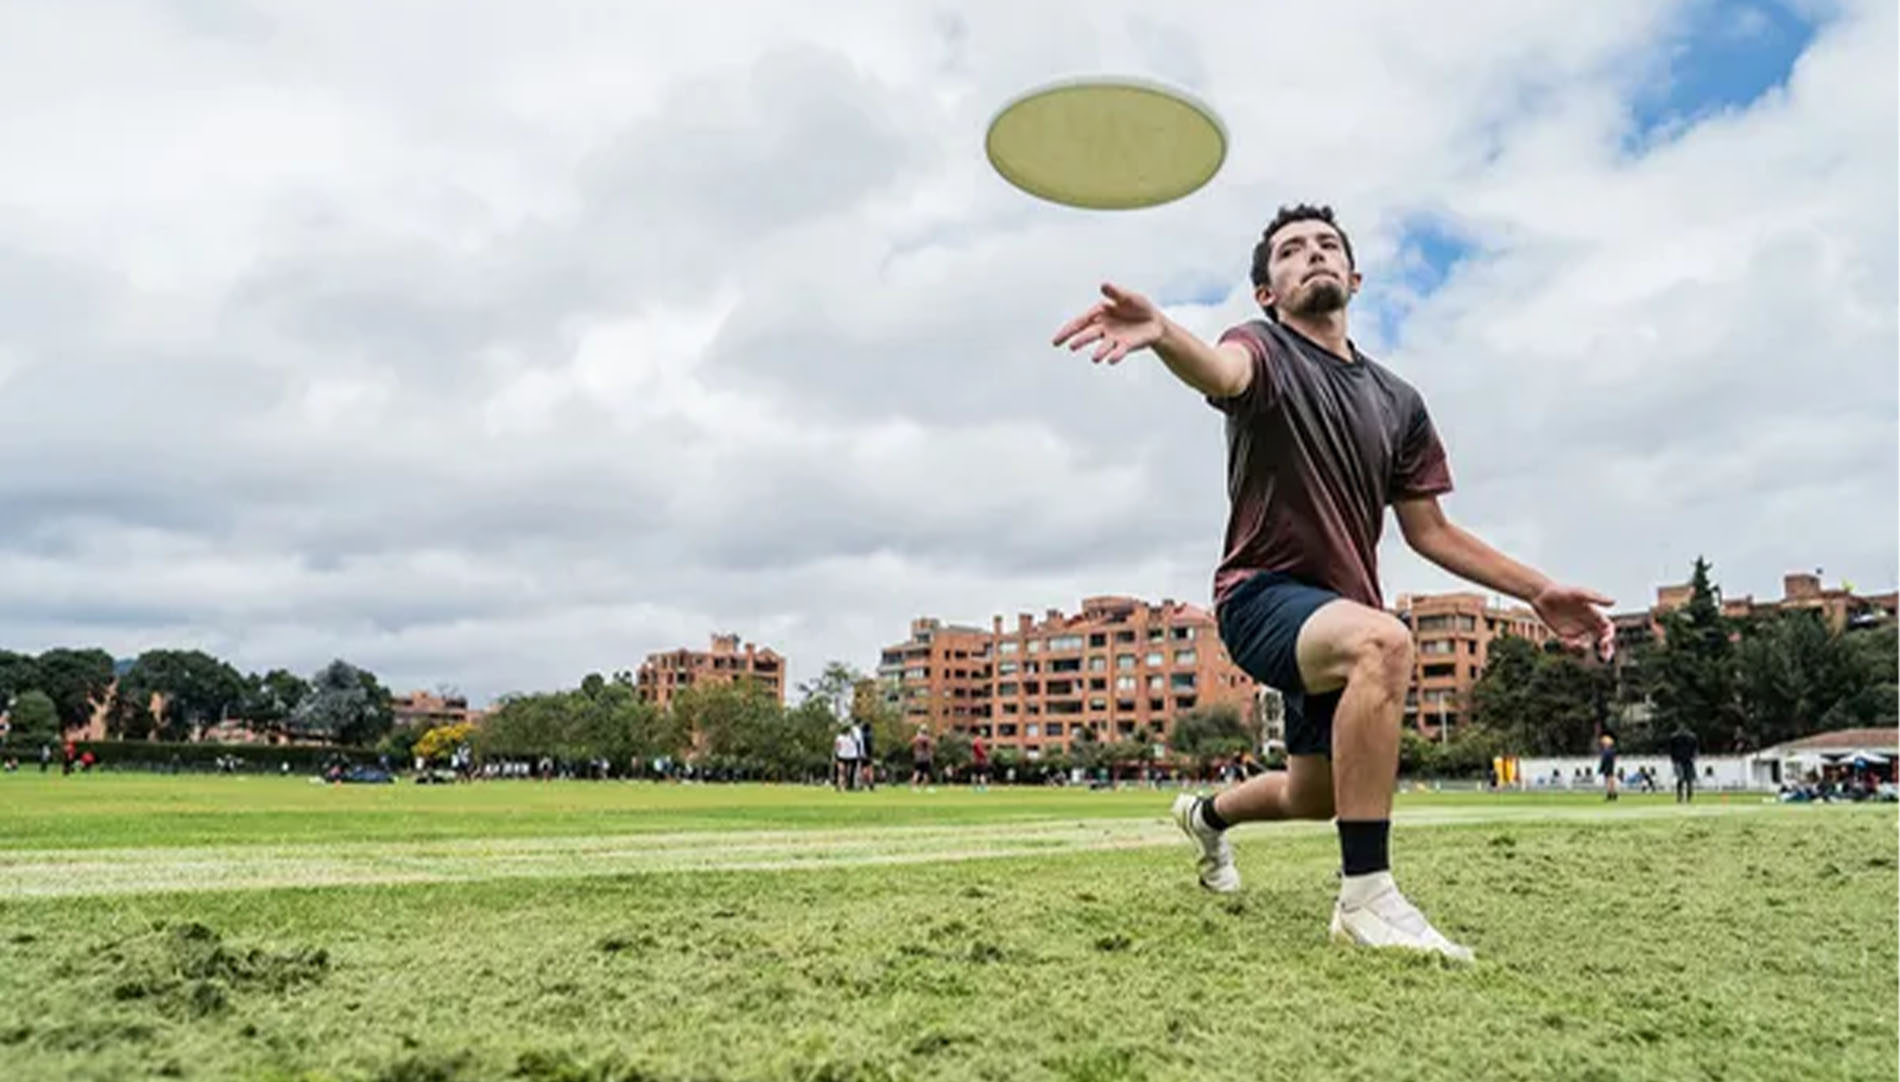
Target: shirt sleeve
1259,393
1421,468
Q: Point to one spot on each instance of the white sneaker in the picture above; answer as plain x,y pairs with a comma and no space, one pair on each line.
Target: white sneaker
1216,864
1371,912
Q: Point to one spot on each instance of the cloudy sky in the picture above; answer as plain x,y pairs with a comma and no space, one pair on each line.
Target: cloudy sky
486,344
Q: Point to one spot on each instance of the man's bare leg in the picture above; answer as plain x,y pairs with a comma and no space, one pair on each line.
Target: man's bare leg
1369,653
1303,791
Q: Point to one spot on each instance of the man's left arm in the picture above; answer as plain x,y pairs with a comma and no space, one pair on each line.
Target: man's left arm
1569,611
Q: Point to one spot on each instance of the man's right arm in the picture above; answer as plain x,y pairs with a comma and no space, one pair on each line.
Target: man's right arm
1222,371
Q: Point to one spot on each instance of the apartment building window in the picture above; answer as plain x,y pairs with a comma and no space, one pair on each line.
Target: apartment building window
1124,636
1156,634
1062,687
1124,706
1006,729
1182,680
1006,689
1124,661
1009,707
1066,708
1032,730
1183,634
1032,687
1098,683
1156,706
916,674
1032,666
1098,663
1065,664
1473,670
1054,728
1184,702
1008,646
1124,683
1125,728
1156,659
1441,670
1435,646
1098,639
1005,668
1065,643
1098,703
1184,657
1035,646
1433,623
1155,681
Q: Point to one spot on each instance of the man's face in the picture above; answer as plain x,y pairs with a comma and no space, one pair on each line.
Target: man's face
1308,273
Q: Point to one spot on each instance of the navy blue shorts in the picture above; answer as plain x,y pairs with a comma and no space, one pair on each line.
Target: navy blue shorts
1260,624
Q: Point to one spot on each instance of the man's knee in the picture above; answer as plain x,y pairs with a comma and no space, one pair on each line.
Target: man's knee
1379,651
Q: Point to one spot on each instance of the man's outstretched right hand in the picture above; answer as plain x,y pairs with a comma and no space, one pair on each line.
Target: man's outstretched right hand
1123,323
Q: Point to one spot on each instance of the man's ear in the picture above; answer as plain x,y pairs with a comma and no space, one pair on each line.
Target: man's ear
1263,296
1357,281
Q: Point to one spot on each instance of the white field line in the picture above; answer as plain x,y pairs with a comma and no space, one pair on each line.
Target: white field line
76,872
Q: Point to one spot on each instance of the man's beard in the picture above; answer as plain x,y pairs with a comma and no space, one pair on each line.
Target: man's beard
1325,297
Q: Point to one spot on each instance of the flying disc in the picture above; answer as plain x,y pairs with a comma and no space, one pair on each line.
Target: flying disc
1107,143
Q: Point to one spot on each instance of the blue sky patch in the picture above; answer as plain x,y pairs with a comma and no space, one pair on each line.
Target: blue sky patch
1724,54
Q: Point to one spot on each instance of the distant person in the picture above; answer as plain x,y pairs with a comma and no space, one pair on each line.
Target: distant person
844,759
1606,764
1683,747
69,755
46,757
920,757
979,762
867,757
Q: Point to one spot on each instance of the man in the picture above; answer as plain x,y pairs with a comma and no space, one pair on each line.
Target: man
867,758
1320,439
920,757
844,758
1606,764
979,762
1683,747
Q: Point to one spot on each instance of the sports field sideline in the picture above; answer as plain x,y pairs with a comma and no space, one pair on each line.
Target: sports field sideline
250,927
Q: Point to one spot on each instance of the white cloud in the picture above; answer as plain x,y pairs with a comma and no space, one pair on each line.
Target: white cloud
488,344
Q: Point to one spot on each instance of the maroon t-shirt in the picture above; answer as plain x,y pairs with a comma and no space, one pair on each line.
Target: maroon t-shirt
1316,449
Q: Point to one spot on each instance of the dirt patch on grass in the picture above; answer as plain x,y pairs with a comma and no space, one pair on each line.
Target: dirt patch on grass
186,970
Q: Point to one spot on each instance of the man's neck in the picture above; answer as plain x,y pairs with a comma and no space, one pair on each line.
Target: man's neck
1328,330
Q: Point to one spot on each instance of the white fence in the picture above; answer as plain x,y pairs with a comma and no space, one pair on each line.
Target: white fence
1712,772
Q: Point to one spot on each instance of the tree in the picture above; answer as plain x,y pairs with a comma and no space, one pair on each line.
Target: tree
270,700
76,680
130,717
196,689
1797,676
1694,668
735,723
19,674
1207,734
440,741
1539,702
33,719
345,704
837,685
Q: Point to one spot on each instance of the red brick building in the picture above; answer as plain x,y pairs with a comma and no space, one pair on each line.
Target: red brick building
1117,668
664,675
1451,643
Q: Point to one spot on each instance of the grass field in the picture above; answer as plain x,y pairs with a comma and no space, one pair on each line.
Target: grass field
260,928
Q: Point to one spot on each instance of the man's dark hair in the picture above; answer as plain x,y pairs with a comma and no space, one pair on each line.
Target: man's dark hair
1300,212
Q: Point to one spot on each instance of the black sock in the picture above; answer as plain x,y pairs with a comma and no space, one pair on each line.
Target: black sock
1211,817
1362,845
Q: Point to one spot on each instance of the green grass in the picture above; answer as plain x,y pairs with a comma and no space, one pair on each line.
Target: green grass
1742,942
